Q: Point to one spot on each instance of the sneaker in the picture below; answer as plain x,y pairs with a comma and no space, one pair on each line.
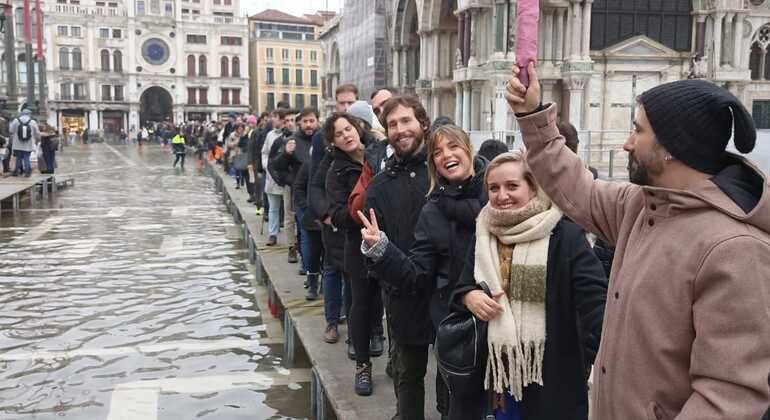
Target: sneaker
331,335
293,255
376,345
272,240
363,381
312,293
351,349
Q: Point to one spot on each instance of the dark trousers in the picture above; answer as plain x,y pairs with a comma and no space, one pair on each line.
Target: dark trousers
49,156
366,314
179,158
410,363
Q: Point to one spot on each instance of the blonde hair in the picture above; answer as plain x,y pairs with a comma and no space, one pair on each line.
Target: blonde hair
454,135
516,156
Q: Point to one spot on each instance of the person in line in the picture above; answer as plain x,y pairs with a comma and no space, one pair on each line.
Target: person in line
336,289
273,191
443,232
549,292
490,148
289,132
24,135
346,137
178,144
687,326
286,165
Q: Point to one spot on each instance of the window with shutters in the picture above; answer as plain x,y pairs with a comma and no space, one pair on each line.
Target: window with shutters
236,65
270,101
298,77
62,30
191,95
117,58
119,93
224,67
202,71
313,78
236,96
106,93
65,90
285,77
105,60
225,97
269,76
761,114
191,65
314,101
299,101
64,59
203,98
77,59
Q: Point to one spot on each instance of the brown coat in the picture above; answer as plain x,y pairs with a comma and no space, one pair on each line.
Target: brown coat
686,330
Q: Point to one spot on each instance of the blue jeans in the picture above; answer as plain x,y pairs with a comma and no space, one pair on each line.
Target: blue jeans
333,283
22,162
274,214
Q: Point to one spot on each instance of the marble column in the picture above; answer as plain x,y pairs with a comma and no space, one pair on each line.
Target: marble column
717,60
500,121
396,67
476,106
547,43
586,41
727,40
466,106
762,63
467,38
576,85
559,53
459,104
738,46
574,53
460,40
700,34
473,38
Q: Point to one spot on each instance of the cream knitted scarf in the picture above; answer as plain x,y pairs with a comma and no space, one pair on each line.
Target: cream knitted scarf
516,338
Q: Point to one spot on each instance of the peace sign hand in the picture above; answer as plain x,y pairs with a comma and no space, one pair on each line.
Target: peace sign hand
370,233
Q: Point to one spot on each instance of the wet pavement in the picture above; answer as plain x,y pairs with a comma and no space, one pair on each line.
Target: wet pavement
130,296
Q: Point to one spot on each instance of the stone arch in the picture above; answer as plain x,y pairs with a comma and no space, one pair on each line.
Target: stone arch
407,45
156,105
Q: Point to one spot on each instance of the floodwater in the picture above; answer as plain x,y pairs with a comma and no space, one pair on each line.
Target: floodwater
129,296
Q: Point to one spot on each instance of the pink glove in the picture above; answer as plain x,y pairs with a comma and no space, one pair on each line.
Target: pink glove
527,16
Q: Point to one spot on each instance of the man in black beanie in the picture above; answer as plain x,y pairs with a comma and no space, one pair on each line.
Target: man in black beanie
686,330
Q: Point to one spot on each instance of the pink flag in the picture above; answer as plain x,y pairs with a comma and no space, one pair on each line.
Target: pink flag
527,16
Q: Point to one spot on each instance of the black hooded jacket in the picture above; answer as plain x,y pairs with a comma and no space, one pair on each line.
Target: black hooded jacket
443,231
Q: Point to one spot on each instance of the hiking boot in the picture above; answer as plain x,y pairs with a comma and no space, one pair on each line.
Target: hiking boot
376,345
312,287
351,349
363,381
331,335
272,240
293,255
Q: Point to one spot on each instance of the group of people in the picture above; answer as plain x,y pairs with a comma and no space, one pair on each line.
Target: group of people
660,286
22,135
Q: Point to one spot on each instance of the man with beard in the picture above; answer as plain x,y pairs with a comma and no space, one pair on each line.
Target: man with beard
397,195
295,152
288,132
687,322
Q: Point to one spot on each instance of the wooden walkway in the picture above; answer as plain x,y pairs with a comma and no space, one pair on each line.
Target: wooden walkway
303,322
14,189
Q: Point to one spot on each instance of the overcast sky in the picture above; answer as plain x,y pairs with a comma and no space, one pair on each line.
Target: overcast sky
294,7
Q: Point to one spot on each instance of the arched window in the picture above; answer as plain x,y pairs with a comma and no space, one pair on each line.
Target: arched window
224,67
77,59
117,58
105,59
64,59
755,60
21,64
191,65
236,67
202,65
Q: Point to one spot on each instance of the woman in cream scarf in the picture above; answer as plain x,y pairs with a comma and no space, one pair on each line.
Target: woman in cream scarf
549,289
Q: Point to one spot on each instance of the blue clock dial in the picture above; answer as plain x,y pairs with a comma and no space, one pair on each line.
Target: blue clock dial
155,51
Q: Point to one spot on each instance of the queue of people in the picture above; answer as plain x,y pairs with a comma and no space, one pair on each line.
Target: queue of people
658,286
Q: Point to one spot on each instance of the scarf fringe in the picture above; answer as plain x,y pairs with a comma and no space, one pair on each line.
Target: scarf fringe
514,366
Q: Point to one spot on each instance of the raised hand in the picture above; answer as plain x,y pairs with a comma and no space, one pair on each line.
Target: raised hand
291,146
520,98
370,233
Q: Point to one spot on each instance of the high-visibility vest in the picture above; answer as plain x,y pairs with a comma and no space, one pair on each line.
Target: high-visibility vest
178,139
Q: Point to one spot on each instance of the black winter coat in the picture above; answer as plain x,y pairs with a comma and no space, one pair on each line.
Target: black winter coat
333,238
436,254
342,177
285,166
576,291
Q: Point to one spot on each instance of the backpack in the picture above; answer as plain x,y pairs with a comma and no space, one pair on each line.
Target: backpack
24,131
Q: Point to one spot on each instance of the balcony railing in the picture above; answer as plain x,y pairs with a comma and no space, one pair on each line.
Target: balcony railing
78,10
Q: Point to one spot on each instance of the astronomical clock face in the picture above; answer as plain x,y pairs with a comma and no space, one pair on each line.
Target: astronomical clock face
155,51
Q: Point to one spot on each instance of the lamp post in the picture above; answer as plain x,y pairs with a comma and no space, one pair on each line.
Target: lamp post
9,42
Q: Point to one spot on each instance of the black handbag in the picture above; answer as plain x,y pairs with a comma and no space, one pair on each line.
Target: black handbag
461,350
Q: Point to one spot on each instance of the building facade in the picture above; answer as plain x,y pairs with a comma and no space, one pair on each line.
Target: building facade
285,59
356,48
121,64
13,34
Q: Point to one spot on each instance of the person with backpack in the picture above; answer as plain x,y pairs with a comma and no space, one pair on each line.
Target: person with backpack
24,135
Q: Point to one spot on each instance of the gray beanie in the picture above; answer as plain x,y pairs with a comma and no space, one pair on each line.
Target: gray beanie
362,111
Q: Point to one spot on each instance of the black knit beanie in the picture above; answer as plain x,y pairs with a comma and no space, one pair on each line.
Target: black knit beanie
693,120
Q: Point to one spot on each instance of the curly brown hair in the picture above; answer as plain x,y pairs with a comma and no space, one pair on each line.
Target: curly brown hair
408,102
328,129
